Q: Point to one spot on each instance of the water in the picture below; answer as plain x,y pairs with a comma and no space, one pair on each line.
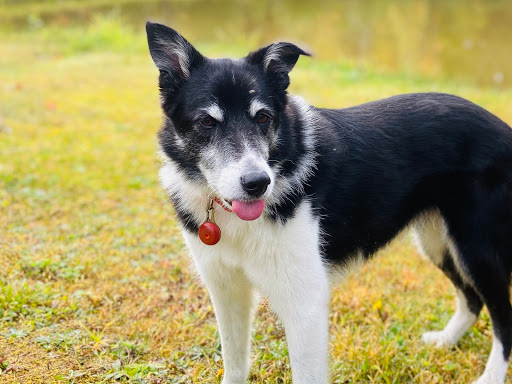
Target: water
469,40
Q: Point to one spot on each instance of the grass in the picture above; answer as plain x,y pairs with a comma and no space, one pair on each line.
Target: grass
96,285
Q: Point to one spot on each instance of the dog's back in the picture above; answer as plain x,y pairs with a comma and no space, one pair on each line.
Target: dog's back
382,163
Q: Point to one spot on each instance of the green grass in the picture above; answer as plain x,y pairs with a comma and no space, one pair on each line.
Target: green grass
96,285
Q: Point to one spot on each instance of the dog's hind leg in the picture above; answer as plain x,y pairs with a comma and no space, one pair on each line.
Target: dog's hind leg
432,238
469,305
480,228
493,281
493,284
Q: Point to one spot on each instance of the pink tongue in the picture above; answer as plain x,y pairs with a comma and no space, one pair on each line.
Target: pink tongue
248,211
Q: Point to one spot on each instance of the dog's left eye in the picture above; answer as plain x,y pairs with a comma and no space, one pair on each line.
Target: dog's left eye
208,122
261,118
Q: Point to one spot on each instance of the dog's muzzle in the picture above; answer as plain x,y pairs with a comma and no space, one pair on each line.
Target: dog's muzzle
255,183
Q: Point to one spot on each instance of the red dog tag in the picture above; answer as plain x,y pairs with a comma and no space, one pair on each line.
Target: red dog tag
209,232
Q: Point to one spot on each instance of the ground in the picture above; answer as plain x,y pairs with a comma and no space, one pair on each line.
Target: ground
96,285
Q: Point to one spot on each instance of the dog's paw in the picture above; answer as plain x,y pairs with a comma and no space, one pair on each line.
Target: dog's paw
437,338
228,380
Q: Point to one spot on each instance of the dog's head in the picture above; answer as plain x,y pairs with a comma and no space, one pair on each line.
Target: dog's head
223,115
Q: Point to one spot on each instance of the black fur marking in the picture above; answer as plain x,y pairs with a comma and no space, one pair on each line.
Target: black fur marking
473,299
286,156
382,163
185,217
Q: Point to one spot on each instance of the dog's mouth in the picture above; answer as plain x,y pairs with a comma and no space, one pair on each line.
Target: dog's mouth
248,210
245,210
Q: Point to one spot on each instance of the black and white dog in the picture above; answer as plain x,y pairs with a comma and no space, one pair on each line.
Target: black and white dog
301,192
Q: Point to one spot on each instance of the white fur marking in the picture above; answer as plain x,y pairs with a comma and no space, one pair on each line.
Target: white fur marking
430,233
256,106
273,53
496,367
189,194
179,49
216,112
460,322
433,240
224,173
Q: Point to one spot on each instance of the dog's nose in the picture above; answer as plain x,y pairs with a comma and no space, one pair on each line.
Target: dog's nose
255,183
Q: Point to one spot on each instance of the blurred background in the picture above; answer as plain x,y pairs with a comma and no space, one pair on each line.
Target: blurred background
95,282
468,40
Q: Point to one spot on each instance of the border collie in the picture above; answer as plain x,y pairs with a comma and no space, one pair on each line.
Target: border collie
301,193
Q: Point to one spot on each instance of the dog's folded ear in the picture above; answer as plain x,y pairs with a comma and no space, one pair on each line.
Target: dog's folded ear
173,55
277,59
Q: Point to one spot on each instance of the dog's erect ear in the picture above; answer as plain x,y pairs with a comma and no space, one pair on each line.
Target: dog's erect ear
171,53
277,59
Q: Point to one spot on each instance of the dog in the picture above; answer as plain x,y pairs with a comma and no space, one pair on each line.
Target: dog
301,193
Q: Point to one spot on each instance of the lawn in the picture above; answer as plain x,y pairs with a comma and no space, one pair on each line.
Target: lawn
95,282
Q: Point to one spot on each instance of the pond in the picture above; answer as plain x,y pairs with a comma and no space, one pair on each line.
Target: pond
467,40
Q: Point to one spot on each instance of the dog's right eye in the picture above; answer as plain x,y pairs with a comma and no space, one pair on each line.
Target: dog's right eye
208,122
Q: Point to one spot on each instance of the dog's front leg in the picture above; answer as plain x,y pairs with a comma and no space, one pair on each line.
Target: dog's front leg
303,306
298,291
233,300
